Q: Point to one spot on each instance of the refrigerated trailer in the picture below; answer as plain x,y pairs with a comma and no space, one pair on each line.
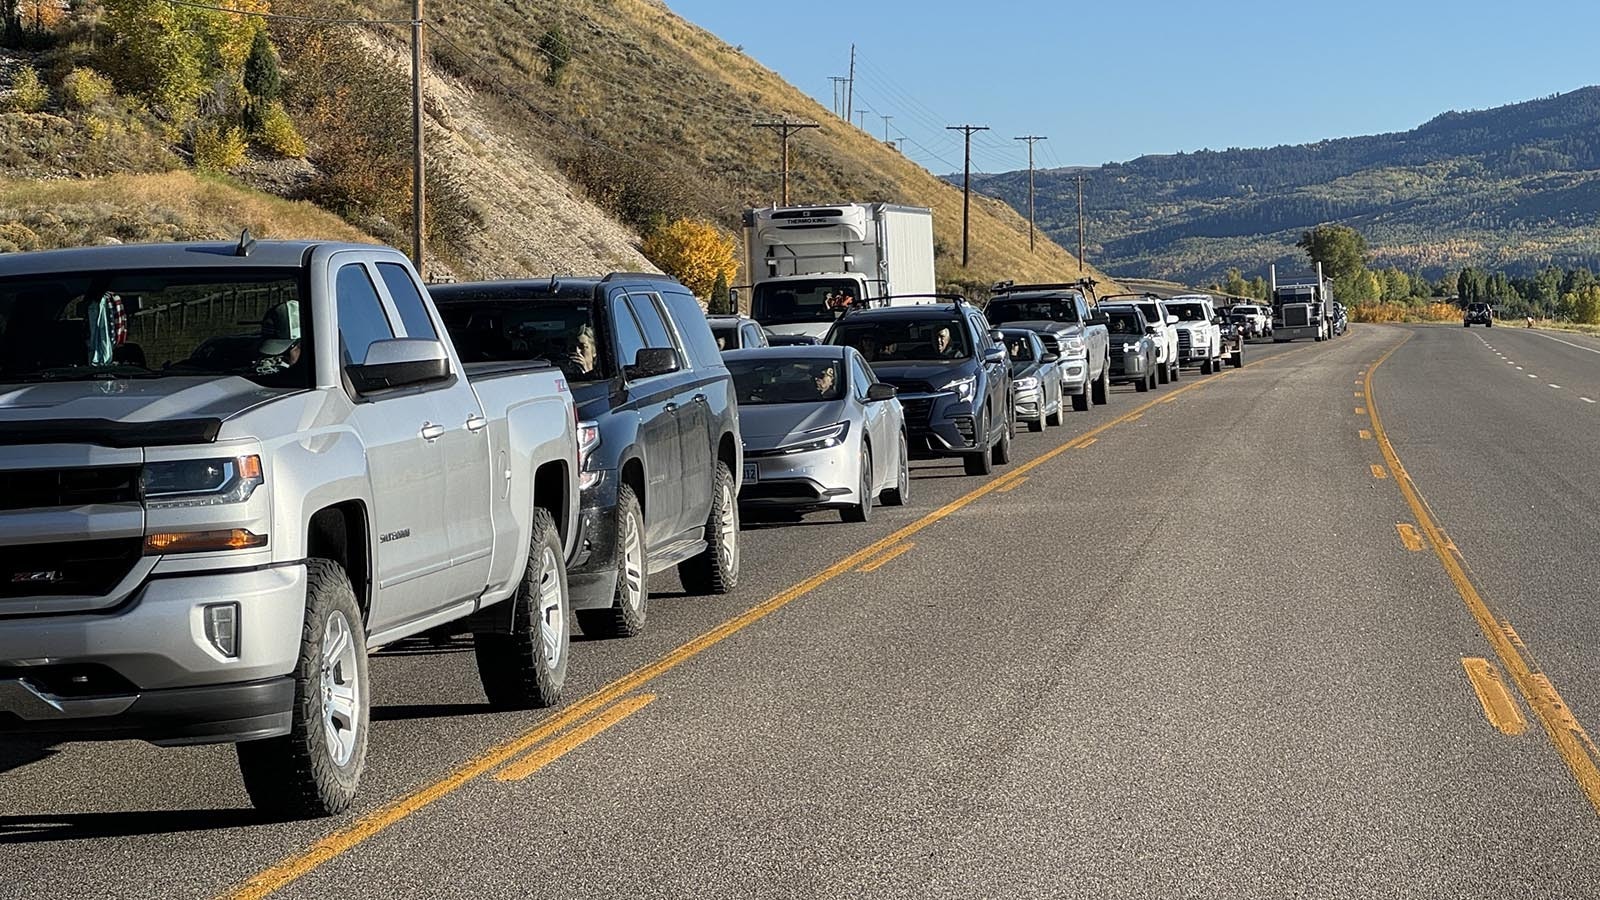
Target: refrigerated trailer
806,264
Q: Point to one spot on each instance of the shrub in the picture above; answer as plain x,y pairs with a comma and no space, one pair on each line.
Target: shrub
28,93
695,252
83,88
218,148
557,53
278,134
721,300
643,194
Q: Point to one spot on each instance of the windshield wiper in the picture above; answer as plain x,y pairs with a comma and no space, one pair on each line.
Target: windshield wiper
92,373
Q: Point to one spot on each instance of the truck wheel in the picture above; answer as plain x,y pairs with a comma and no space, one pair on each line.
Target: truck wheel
629,605
1238,358
716,571
1177,372
1143,384
315,769
1102,385
901,492
1056,418
1001,454
862,511
527,668
1164,374
1205,367
980,463
1037,425
1080,402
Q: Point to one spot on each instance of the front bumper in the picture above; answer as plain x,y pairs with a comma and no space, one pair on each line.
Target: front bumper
810,480
1030,405
941,424
1129,367
1075,375
148,671
592,574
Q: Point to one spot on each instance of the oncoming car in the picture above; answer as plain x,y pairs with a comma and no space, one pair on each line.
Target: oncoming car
820,431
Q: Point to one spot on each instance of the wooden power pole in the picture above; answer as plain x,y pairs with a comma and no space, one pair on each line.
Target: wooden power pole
966,188
1031,139
418,171
784,129
1080,223
850,86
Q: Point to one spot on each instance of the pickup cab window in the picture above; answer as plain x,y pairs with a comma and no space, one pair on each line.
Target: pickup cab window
1044,309
362,321
1188,312
156,323
407,301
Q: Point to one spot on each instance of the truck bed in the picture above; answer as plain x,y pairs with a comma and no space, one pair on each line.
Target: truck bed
483,371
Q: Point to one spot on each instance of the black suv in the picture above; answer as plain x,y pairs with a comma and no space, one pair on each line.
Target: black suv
952,373
660,452
1478,314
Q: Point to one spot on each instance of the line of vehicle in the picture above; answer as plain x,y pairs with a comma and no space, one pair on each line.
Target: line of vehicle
1571,741
545,754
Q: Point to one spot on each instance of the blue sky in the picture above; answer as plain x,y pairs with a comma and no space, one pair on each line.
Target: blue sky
1158,76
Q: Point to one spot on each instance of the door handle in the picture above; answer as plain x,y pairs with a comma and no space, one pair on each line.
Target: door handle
671,407
432,432
476,423
699,398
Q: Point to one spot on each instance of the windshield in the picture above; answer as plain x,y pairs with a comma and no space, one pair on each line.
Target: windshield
155,324
1051,309
727,336
559,331
901,339
1152,313
1188,312
813,300
767,380
1125,324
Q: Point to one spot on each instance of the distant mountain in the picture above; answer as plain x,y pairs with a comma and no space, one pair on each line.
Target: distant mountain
1515,187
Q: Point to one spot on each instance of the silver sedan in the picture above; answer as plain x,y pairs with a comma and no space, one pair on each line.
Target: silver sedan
820,432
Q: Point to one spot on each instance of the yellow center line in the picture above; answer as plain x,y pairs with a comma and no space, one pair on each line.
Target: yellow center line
1566,733
298,865
1092,440
887,558
1498,706
1361,411
1366,435
1013,485
1378,472
1409,536
549,753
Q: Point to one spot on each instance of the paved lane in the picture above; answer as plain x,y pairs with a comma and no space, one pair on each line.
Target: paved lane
1186,652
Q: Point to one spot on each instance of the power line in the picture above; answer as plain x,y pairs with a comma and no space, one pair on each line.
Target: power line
284,17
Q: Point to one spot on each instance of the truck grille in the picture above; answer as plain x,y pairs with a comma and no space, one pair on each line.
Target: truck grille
44,488
1185,339
917,410
1296,316
70,568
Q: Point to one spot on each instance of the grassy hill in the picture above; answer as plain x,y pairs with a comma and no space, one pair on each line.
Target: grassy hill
1514,187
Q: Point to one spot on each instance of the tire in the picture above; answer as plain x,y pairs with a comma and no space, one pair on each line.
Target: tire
1102,386
527,668
1177,372
1466,324
1142,385
630,603
1488,324
315,769
716,570
1238,358
1057,418
1206,368
1037,425
1080,402
1164,374
1152,380
900,494
1001,454
862,511
979,463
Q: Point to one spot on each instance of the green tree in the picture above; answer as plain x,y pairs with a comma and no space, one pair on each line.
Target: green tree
721,302
1577,280
1396,284
557,54
1234,283
1341,250
262,80
171,54
1583,305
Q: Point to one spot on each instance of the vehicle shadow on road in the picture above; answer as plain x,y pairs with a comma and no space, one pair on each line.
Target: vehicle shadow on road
404,712
16,754
49,827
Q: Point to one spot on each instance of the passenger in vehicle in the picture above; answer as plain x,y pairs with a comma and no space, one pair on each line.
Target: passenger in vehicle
825,380
279,347
585,353
942,345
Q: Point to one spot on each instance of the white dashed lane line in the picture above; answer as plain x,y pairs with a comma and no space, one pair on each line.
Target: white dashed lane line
1554,385
1586,399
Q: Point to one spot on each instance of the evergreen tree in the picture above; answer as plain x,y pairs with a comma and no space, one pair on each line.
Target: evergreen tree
721,302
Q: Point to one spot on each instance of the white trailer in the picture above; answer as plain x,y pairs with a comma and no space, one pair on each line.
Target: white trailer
806,264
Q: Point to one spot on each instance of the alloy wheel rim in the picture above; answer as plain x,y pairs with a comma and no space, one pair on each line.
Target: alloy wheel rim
632,566
341,689
552,621
728,528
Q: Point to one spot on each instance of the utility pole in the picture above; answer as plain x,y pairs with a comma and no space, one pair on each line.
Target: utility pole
1080,223
863,116
418,179
850,86
966,187
886,127
784,129
1031,139
839,82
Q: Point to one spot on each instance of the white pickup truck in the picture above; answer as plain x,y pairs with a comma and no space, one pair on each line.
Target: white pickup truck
227,472
1199,332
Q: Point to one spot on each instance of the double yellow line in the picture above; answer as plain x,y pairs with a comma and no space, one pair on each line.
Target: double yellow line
1569,737
556,729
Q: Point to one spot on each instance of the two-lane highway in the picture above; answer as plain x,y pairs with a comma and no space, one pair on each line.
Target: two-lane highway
1195,644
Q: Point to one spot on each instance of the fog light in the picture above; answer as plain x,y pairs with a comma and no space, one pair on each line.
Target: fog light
222,628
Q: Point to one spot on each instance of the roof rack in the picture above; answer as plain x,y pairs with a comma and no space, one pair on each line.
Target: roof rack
1143,295
1011,287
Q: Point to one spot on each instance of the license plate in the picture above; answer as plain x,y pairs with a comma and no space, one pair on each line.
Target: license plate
750,473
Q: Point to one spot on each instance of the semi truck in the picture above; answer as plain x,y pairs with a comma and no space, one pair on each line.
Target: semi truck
1301,308
807,264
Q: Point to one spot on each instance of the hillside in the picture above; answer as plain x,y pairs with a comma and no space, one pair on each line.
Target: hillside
1514,187
531,170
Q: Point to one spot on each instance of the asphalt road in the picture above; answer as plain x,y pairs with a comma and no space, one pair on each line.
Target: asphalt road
1187,652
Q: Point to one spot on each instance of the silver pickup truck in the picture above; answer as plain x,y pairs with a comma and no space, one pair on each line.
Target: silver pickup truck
227,472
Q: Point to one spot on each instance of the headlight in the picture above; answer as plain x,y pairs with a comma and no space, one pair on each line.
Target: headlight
199,482
819,438
1074,346
962,386
588,440
1026,384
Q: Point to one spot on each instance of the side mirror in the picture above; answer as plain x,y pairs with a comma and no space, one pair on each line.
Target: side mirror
994,355
1050,358
878,391
1171,319
1152,329
653,361
997,336
733,296
399,362
1099,318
